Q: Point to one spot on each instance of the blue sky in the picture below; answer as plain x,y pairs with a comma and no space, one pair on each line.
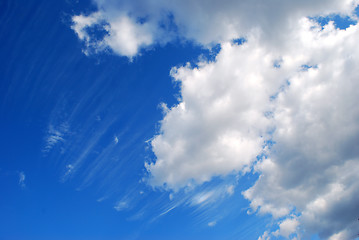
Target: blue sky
144,120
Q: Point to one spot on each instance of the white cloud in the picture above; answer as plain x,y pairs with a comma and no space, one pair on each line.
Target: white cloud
202,198
313,163
230,190
135,25
122,33
55,135
69,169
126,36
292,82
287,227
121,205
219,126
212,224
82,22
115,139
101,199
265,236
22,179
229,106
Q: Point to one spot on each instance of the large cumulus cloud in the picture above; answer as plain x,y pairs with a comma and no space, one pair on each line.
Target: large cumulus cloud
220,125
314,162
302,97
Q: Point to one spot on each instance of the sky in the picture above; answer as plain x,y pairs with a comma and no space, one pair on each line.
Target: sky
179,119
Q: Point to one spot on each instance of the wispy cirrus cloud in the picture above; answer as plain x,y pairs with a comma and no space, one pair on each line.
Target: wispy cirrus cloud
121,205
55,135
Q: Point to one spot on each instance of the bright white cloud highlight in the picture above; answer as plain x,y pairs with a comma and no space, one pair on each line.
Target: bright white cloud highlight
220,126
122,34
287,227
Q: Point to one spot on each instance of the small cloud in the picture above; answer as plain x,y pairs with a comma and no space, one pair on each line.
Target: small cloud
287,227
69,168
202,198
22,179
230,190
212,224
123,34
115,139
265,236
101,199
55,135
121,205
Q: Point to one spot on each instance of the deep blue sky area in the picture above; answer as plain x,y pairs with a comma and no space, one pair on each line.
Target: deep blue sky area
48,84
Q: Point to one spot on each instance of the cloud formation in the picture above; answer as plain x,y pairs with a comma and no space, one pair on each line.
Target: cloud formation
283,104
55,135
303,99
219,126
126,27
122,34
311,167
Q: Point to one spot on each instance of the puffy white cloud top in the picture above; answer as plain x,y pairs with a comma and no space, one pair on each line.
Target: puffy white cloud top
293,83
132,25
219,126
